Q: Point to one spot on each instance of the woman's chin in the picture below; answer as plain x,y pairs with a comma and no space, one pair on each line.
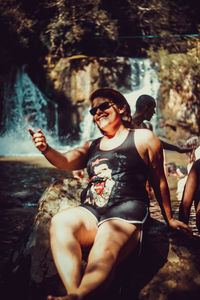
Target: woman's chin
102,124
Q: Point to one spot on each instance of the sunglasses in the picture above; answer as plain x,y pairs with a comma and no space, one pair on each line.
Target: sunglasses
103,106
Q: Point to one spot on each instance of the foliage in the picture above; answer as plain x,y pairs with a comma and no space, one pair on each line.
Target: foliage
173,68
181,72
17,21
53,29
62,28
74,25
166,22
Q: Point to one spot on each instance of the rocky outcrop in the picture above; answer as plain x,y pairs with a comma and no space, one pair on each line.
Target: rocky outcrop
178,111
168,267
61,194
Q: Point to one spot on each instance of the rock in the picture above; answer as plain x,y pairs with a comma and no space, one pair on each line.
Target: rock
61,194
171,257
167,268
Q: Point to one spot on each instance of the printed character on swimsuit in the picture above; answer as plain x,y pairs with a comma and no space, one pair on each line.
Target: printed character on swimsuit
101,188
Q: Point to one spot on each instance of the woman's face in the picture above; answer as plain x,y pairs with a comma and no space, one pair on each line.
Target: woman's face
106,113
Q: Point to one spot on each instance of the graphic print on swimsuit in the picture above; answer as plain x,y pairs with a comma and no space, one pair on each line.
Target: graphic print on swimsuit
101,183
116,175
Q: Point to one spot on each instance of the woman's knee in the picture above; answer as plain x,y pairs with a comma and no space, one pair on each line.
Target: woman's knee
73,222
63,223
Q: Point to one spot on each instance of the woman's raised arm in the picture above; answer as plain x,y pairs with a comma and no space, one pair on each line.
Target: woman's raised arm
71,160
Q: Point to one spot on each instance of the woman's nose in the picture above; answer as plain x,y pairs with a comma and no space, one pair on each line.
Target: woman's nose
99,111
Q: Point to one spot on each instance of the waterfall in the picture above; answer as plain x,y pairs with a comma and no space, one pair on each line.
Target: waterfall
26,106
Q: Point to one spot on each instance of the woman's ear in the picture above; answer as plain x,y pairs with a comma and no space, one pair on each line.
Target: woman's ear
122,110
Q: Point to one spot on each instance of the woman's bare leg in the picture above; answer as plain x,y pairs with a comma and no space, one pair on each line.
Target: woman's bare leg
70,230
114,241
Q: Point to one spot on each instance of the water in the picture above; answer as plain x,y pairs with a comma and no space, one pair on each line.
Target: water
26,106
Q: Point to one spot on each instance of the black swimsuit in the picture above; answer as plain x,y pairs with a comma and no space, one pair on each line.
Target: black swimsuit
117,186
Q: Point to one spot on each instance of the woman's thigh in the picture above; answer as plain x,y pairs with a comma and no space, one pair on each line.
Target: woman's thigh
77,222
117,236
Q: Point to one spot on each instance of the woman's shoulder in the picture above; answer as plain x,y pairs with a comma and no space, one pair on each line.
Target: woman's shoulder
92,144
144,133
146,139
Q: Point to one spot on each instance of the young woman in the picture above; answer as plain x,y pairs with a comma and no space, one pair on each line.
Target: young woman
115,203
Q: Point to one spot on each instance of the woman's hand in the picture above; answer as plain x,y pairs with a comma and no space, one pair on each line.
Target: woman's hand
39,139
179,225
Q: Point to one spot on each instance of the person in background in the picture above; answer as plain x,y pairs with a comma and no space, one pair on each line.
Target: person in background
115,204
192,143
191,194
191,183
145,109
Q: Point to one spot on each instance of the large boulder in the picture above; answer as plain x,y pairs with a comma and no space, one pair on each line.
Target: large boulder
167,268
61,194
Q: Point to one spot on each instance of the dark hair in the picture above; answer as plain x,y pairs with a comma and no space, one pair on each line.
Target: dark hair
118,99
144,100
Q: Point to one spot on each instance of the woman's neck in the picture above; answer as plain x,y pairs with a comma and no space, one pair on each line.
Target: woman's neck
110,142
115,132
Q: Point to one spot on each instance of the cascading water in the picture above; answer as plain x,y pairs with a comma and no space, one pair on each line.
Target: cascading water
26,106
144,81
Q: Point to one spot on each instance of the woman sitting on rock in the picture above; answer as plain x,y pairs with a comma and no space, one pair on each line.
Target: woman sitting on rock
115,204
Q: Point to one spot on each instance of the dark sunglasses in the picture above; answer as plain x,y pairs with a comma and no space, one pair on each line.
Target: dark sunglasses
103,106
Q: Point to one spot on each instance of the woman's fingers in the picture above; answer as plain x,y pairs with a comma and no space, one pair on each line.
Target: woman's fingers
31,131
38,139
